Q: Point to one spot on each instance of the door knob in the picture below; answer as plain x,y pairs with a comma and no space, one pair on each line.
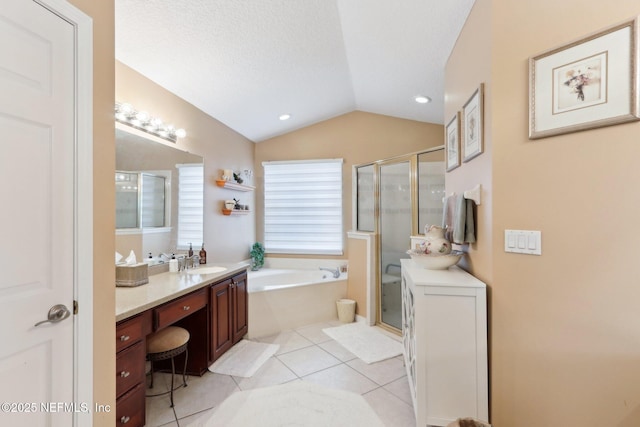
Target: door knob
57,313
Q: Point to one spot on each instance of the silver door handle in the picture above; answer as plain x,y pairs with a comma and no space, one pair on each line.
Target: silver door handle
57,313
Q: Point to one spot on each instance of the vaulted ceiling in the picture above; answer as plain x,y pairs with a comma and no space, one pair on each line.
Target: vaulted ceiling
246,62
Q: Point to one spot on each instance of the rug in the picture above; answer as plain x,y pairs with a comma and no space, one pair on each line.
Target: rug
367,343
296,403
244,358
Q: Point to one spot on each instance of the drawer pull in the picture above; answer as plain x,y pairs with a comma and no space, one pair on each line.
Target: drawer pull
186,308
124,419
125,338
124,374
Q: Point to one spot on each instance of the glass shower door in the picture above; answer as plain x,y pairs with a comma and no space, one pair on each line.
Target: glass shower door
395,230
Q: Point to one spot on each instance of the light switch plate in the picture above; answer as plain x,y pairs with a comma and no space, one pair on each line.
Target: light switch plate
523,242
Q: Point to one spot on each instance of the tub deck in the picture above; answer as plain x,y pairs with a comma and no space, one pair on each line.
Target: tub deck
276,306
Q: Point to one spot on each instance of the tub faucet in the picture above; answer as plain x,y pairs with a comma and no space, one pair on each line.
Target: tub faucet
335,272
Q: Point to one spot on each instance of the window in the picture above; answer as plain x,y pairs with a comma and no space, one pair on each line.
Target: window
143,199
152,200
190,205
303,207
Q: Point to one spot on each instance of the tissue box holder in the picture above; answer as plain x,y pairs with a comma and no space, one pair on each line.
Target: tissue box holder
132,275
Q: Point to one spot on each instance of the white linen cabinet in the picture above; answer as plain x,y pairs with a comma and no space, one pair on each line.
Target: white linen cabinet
444,316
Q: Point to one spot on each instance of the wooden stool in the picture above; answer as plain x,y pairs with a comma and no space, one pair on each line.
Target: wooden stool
167,344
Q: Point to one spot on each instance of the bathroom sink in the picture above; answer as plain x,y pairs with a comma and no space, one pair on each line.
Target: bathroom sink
206,270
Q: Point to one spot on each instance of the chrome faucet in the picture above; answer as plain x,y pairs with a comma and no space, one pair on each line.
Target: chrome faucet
164,257
336,272
195,261
186,262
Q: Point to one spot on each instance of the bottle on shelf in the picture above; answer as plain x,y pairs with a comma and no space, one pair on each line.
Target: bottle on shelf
190,250
203,255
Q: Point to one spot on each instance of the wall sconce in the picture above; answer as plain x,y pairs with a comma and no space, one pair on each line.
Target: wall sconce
126,114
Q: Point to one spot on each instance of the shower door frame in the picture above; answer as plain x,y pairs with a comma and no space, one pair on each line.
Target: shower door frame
412,158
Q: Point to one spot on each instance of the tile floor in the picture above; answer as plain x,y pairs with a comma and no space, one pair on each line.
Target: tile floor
305,354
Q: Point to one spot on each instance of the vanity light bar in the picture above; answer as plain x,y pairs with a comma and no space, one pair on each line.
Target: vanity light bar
126,114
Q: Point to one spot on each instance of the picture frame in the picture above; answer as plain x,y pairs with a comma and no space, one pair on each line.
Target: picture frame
473,125
585,84
452,138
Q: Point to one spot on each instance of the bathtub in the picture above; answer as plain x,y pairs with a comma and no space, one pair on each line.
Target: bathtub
282,298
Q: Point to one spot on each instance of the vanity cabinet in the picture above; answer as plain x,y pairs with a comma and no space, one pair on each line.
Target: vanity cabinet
174,311
229,314
215,316
240,307
444,316
130,369
191,313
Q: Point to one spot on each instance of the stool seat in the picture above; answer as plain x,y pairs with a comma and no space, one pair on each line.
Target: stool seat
167,339
166,344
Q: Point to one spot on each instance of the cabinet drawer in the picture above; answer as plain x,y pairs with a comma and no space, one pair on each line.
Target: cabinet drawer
173,311
130,408
130,364
129,332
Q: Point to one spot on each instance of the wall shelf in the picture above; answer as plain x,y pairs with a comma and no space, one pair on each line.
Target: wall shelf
235,211
234,185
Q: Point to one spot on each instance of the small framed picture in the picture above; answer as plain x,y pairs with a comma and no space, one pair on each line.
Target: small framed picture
473,125
585,84
452,138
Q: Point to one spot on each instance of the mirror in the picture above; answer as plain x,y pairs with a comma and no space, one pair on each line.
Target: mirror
431,172
148,193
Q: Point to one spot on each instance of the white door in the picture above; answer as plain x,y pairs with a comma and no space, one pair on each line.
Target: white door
37,148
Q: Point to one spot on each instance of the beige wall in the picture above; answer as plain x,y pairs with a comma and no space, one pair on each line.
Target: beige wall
104,363
565,342
357,249
358,138
467,67
226,238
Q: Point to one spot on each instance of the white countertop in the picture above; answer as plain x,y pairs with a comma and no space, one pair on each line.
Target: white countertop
164,287
454,276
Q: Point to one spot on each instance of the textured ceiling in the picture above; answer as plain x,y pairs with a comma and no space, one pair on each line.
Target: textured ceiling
246,62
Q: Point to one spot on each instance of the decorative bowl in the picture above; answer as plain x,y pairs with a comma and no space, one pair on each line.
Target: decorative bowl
435,262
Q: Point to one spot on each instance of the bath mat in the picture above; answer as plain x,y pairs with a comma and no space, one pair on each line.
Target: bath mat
244,358
365,342
296,403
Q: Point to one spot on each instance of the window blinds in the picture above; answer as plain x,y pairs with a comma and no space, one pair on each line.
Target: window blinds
303,207
190,205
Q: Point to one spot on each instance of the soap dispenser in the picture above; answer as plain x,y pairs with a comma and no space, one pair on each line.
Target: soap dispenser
203,255
173,264
190,250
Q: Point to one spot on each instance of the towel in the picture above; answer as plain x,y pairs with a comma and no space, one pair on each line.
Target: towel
458,219
470,228
448,215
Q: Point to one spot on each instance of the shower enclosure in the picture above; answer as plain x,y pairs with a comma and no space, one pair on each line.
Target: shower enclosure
395,199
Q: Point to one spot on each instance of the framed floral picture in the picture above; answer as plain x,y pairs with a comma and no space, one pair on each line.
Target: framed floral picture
585,84
452,138
473,125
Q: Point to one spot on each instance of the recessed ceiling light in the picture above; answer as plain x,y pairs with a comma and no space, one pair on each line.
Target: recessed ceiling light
285,117
421,99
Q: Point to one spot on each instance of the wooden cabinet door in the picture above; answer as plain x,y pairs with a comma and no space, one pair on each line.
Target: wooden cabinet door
221,325
240,315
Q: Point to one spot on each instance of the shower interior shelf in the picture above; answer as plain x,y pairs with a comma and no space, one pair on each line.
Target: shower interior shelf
233,185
